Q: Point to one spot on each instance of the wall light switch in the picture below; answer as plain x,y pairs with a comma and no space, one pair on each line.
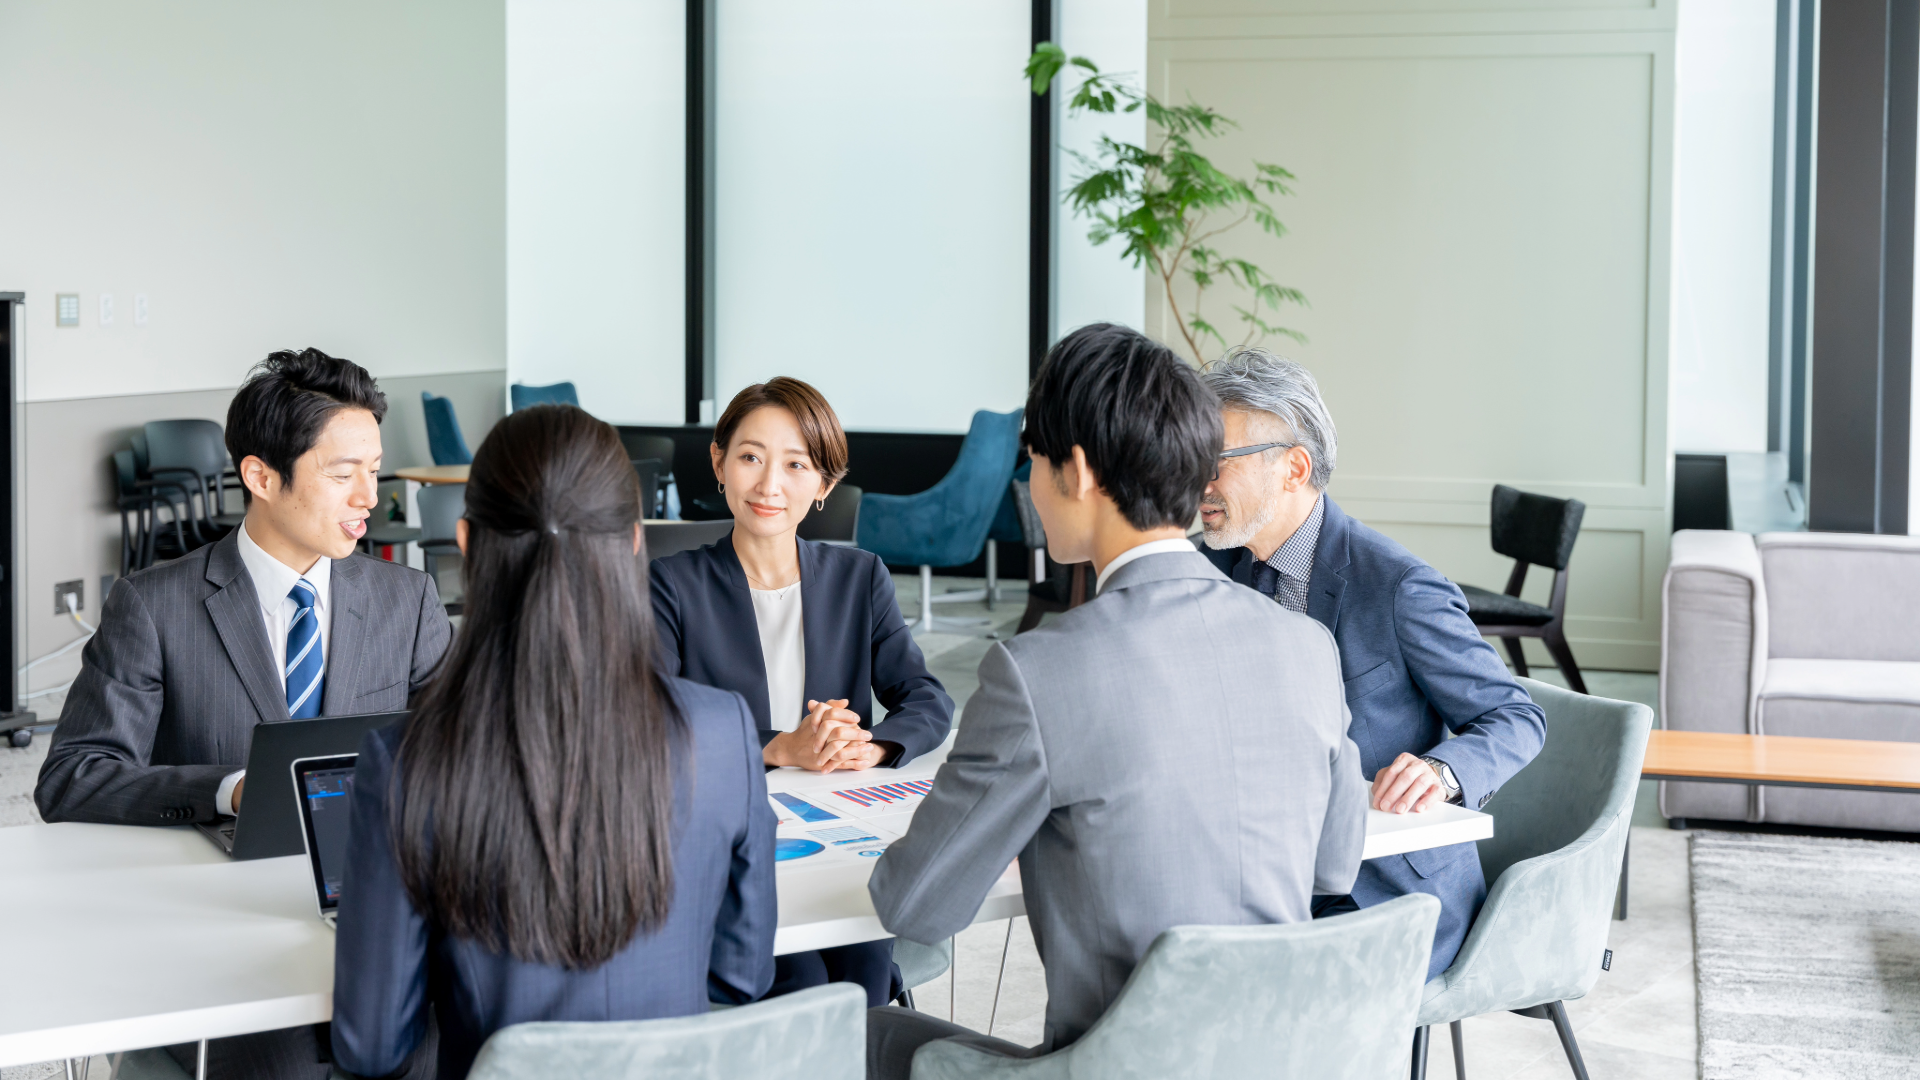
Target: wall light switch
66,309
139,309
106,309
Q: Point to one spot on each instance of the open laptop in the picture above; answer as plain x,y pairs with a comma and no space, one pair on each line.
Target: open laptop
269,823
323,794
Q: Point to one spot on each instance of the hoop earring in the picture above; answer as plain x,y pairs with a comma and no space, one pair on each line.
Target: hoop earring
820,504
723,489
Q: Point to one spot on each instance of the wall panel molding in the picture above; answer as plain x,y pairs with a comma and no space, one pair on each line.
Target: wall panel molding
1481,225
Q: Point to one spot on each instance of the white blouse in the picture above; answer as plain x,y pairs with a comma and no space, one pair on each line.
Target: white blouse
784,648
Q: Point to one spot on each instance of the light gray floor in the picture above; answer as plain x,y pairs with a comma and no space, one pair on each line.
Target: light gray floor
1639,1021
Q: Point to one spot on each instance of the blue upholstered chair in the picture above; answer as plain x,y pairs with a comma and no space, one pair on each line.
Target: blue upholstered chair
560,393
920,964
1554,863
444,440
947,524
1332,999
817,1034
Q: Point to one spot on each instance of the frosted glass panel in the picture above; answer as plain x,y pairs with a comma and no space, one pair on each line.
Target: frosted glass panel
596,183
870,196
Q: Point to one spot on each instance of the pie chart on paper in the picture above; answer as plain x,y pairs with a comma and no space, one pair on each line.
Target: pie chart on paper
785,848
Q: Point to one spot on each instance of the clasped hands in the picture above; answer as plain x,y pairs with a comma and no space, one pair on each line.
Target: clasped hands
829,738
1409,784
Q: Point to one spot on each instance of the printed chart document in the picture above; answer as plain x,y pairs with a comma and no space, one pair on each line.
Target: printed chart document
833,827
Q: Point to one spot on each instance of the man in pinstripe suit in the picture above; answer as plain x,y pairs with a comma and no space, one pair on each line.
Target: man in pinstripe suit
278,620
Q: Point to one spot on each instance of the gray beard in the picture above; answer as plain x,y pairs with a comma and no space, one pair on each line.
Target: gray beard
1231,534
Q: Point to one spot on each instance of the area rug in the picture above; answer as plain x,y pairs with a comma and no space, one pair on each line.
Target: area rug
1808,956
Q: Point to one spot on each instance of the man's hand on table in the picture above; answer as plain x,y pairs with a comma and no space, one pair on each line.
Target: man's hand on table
1409,784
829,738
238,786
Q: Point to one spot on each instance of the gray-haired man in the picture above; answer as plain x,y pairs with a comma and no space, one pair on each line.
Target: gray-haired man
1414,665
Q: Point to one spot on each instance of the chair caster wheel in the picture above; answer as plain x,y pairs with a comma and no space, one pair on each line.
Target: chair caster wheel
20,737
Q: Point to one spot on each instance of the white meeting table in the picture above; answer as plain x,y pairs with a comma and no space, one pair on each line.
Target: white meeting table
123,937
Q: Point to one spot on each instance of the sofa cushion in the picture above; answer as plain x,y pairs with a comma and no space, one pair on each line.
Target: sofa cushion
1886,682
1842,596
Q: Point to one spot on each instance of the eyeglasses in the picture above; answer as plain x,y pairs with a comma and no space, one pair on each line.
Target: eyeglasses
1243,451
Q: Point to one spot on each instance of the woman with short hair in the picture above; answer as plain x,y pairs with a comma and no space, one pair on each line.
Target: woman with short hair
561,830
808,633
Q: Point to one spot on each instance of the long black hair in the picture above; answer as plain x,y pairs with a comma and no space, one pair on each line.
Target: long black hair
537,769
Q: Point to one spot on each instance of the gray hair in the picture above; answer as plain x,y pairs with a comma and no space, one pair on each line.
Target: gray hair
1258,381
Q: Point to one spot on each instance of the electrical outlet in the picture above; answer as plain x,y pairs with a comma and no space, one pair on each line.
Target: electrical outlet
76,589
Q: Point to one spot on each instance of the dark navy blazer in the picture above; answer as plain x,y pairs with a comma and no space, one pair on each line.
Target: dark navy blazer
1415,667
390,961
850,620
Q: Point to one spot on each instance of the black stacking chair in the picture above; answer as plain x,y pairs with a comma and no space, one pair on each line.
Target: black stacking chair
839,522
141,538
1046,591
1531,530
194,453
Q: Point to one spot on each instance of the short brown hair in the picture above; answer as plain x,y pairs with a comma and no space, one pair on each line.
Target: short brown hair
819,426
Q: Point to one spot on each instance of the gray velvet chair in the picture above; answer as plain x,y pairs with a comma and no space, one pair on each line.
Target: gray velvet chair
1331,1000
1560,832
817,1034
920,964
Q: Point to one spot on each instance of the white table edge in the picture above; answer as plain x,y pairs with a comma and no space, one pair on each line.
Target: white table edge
163,1029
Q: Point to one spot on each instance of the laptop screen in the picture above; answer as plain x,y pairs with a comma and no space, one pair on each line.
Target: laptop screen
326,785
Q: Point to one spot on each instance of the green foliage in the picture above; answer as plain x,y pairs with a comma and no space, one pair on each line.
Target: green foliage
1166,204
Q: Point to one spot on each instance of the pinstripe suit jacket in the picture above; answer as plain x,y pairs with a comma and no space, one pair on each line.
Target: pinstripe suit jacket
171,687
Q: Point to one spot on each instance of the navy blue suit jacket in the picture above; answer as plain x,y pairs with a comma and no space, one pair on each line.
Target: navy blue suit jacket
1415,668
850,619
390,961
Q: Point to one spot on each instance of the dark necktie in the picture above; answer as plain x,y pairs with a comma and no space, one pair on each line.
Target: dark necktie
1266,579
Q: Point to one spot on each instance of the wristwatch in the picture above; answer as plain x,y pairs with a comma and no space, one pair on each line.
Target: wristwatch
1446,778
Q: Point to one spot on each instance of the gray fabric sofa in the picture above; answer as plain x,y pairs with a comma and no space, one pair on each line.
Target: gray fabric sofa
1792,634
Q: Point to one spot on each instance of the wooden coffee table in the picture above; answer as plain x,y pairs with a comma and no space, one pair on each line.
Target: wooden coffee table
1776,761
1782,761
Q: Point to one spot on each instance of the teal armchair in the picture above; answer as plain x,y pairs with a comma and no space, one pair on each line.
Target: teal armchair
817,1034
1560,833
1327,1000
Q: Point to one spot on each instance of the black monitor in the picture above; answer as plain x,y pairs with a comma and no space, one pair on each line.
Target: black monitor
324,798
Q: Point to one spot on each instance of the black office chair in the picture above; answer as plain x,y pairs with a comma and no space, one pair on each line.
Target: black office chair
1530,529
641,446
665,538
650,471
1047,591
839,522
441,507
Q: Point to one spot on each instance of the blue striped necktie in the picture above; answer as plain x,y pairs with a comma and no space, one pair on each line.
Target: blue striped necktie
305,662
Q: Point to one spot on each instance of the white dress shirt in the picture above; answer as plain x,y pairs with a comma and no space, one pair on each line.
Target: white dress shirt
273,580
1151,547
783,646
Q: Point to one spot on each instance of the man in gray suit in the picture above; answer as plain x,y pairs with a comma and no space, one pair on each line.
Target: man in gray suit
1145,775
278,620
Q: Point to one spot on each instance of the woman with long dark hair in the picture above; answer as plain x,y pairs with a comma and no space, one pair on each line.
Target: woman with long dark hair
559,831
810,634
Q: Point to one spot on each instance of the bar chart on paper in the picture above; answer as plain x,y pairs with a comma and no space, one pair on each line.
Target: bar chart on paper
904,795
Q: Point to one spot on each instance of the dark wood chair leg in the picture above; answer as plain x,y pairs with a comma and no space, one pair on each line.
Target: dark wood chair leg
1031,618
1459,1050
1419,1053
1556,642
1516,654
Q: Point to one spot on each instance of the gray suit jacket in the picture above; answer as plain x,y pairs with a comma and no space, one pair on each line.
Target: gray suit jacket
1147,776
170,688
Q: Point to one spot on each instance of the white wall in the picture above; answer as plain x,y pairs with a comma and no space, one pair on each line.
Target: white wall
267,175
1722,223
596,218
871,192
1096,284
